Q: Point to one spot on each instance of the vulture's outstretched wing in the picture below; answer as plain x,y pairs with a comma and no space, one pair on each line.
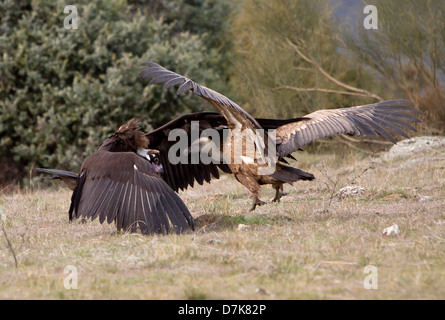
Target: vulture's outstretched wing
368,120
182,175
124,187
210,120
233,113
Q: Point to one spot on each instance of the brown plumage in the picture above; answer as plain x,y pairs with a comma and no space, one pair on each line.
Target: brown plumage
119,183
128,139
368,120
182,175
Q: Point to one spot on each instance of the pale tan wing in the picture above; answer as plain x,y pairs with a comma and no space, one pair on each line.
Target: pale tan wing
233,113
368,120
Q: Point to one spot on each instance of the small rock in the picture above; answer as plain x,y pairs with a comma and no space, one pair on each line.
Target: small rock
242,227
350,191
423,198
393,230
214,241
262,291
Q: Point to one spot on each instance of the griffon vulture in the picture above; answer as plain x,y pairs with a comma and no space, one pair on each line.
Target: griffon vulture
184,174
257,165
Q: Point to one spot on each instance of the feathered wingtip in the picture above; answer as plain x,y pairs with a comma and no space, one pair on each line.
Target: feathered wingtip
150,64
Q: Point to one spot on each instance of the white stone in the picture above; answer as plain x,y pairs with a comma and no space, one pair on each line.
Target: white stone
412,146
350,191
393,230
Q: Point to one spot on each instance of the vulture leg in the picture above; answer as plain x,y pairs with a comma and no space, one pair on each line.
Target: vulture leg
278,192
282,191
256,202
254,187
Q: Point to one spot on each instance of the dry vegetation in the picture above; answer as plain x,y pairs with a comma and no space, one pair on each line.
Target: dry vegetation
311,245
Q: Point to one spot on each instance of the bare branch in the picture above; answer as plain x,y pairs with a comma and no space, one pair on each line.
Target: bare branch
320,69
10,247
321,90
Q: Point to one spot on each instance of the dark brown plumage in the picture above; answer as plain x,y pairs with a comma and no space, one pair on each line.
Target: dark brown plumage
118,183
368,120
118,167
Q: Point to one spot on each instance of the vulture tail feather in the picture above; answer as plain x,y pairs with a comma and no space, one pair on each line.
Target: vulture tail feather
289,174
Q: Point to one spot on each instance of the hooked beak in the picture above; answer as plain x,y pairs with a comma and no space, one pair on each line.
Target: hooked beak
151,157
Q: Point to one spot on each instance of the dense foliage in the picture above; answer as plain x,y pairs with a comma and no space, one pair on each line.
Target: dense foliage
63,91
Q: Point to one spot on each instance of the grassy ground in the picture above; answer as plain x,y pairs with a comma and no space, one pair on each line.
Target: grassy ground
311,245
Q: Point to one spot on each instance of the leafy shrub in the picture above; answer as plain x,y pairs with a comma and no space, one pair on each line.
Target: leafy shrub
63,91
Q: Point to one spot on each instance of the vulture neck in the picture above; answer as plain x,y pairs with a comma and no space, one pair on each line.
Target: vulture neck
116,144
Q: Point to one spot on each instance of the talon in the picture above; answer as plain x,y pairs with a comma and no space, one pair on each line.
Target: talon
257,202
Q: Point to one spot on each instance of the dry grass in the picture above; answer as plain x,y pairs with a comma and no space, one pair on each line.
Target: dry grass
311,245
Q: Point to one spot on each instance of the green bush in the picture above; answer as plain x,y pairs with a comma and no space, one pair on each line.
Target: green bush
63,91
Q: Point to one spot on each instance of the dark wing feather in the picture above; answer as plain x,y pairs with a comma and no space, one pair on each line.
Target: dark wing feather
180,176
123,187
369,120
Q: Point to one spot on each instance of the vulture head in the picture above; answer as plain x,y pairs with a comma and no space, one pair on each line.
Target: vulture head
129,138
132,136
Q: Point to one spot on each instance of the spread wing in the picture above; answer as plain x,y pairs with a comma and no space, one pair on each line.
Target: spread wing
233,113
182,175
368,120
123,187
